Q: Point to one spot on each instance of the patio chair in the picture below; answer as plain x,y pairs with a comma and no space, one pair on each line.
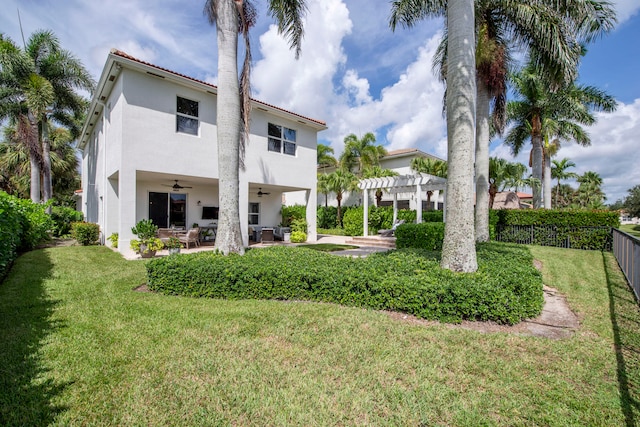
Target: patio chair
390,232
191,236
165,234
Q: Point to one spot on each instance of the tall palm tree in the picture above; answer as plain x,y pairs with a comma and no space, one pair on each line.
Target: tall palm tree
231,19
339,182
551,31
559,172
40,85
430,166
323,187
459,250
361,153
538,114
325,156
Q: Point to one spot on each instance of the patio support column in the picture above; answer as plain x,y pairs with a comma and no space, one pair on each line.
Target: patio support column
365,205
395,207
127,207
435,195
418,204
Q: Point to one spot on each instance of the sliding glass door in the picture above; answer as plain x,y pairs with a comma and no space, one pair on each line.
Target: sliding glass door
168,209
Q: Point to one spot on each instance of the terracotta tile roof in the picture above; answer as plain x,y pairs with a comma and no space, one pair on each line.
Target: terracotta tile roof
401,151
125,55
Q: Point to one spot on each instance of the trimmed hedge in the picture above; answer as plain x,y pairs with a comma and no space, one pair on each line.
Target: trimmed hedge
381,218
293,213
86,233
589,230
506,288
428,235
63,217
23,225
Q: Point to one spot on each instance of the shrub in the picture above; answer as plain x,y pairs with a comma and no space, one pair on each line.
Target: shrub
113,238
62,217
145,229
432,216
23,225
564,228
327,217
150,245
352,221
298,237
506,288
299,225
86,233
428,235
294,213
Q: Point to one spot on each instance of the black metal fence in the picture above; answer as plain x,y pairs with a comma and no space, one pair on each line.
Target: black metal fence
591,238
626,249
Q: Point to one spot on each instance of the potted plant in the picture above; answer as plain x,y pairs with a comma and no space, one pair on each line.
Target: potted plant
147,243
173,245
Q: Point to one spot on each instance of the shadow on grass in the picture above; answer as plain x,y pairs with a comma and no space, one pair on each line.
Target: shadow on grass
25,322
625,314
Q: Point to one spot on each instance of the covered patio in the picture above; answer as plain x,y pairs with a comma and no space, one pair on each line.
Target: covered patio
416,184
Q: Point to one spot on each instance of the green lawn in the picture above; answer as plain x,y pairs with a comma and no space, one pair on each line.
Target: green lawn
80,347
634,230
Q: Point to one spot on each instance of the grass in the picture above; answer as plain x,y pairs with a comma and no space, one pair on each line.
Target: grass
80,347
632,229
328,247
331,231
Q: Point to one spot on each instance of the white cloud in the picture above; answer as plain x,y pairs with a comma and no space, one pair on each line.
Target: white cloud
625,9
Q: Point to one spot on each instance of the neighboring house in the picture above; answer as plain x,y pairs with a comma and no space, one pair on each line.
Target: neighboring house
510,200
150,151
398,161
626,218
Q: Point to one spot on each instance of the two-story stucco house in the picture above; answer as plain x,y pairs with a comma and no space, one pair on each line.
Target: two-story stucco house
149,150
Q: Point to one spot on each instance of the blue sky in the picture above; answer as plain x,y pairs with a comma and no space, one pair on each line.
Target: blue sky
354,73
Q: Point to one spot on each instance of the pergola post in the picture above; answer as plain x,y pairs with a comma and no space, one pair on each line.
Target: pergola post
395,207
418,204
365,205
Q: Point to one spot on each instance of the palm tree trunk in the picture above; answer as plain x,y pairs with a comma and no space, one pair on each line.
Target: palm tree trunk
47,189
339,213
546,186
459,250
482,163
228,237
536,142
28,130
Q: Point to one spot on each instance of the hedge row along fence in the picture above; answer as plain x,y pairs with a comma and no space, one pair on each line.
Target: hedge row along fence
589,230
505,289
23,225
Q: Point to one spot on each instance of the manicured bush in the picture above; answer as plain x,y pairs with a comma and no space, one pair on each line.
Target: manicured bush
298,237
23,225
570,229
428,235
352,221
506,288
62,218
113,238
432,216
86,233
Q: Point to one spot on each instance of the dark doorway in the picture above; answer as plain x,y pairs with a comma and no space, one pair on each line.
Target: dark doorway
159,209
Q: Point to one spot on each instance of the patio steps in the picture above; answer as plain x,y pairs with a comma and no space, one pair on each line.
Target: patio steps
373,241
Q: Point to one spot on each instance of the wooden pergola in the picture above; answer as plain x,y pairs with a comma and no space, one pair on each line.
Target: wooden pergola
417,184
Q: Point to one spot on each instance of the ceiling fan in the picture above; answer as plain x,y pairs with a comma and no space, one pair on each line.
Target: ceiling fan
261,193
176,186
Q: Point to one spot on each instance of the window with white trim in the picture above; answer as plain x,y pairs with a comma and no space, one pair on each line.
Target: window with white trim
282,139
187,116
254,213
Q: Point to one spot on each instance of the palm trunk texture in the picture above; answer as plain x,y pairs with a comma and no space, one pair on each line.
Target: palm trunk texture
482,163
459,250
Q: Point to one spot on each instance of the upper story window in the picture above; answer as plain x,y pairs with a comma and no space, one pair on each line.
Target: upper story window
187,116
282,139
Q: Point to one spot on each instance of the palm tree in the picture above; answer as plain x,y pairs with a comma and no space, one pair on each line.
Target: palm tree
559,172
40,86
361,152
14,163
430,166
539,114
232,18
339,182
325,156
590,194
377,172
459,250
323,187
501,26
